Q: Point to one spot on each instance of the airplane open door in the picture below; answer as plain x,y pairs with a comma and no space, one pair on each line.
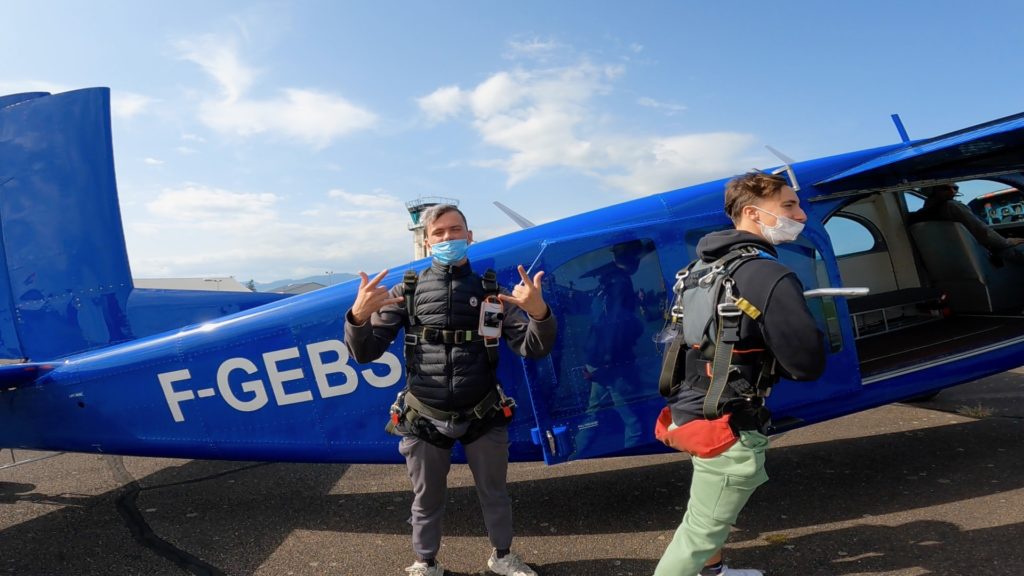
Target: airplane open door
597,394
986,150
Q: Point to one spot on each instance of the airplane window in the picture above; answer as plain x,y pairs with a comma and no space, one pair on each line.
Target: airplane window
1001,209
914,201
852,235
612,300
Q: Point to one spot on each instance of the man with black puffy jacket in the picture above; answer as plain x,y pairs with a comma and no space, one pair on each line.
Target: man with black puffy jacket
777,337
451,389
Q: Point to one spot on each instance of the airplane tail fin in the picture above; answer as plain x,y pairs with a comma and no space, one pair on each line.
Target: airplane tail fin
64,275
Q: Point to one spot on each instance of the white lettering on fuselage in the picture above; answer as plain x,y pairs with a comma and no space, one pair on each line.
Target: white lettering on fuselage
240,385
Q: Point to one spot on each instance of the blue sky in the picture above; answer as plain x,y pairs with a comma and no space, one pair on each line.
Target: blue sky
268,140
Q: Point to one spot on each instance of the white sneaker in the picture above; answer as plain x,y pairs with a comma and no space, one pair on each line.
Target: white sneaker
726,571
421,569
510,565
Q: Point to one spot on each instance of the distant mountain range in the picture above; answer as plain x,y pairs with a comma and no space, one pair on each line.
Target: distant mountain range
325,279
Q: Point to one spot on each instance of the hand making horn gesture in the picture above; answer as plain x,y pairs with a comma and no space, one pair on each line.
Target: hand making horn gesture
371,297
527,295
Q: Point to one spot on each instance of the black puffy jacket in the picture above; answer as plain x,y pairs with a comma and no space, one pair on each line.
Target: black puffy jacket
450,377
455,375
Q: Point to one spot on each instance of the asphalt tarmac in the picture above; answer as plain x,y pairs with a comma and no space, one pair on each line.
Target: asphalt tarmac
907,489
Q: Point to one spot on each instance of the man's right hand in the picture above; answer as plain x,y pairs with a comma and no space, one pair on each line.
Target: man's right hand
371,297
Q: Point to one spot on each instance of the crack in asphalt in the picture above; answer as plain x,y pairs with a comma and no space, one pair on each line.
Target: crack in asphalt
140,529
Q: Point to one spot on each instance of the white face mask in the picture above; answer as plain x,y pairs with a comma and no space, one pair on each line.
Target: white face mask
785,229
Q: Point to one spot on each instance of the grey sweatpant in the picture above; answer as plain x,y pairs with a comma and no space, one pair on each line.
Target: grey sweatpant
428,469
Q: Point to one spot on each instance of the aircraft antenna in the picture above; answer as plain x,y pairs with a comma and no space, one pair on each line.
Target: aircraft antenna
786,167
419,233
515,216
899,128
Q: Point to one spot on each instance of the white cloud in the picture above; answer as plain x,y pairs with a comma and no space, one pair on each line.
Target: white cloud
218,57
309,116
554,117
660,164
186,151
200,230
668,107
499,93
123,104
128,104
314,118
193,138
532,48
208,207
378,201
18,87
153,161
443,103
539,116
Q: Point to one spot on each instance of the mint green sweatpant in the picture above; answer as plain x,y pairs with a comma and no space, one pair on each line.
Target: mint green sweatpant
720,488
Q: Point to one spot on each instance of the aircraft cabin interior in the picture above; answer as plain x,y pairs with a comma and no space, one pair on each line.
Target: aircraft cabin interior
935,292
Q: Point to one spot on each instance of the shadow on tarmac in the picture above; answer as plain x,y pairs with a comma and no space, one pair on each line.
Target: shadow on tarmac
930,547
811,484
243,515
236,508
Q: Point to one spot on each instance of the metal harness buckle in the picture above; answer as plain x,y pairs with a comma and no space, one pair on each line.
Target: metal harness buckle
506,403
396,409
677,289
728,310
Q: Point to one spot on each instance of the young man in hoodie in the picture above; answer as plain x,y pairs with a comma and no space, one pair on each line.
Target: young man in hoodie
766,212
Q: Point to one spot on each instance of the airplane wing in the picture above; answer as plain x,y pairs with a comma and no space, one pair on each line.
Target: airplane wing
988,149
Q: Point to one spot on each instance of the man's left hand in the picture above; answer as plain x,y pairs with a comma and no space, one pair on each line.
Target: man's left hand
527,295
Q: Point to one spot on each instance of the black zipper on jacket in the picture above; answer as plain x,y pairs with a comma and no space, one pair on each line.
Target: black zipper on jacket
448,370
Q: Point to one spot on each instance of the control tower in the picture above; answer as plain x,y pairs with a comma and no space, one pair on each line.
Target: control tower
416,208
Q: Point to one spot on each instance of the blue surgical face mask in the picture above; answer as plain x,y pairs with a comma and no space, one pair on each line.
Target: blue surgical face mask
449,252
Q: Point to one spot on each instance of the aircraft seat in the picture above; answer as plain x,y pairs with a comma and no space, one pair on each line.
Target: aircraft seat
959,265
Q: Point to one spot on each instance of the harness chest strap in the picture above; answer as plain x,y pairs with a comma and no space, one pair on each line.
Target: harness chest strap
490,284
436,335
410,279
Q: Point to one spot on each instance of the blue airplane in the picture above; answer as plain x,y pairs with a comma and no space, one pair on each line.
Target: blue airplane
93,364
